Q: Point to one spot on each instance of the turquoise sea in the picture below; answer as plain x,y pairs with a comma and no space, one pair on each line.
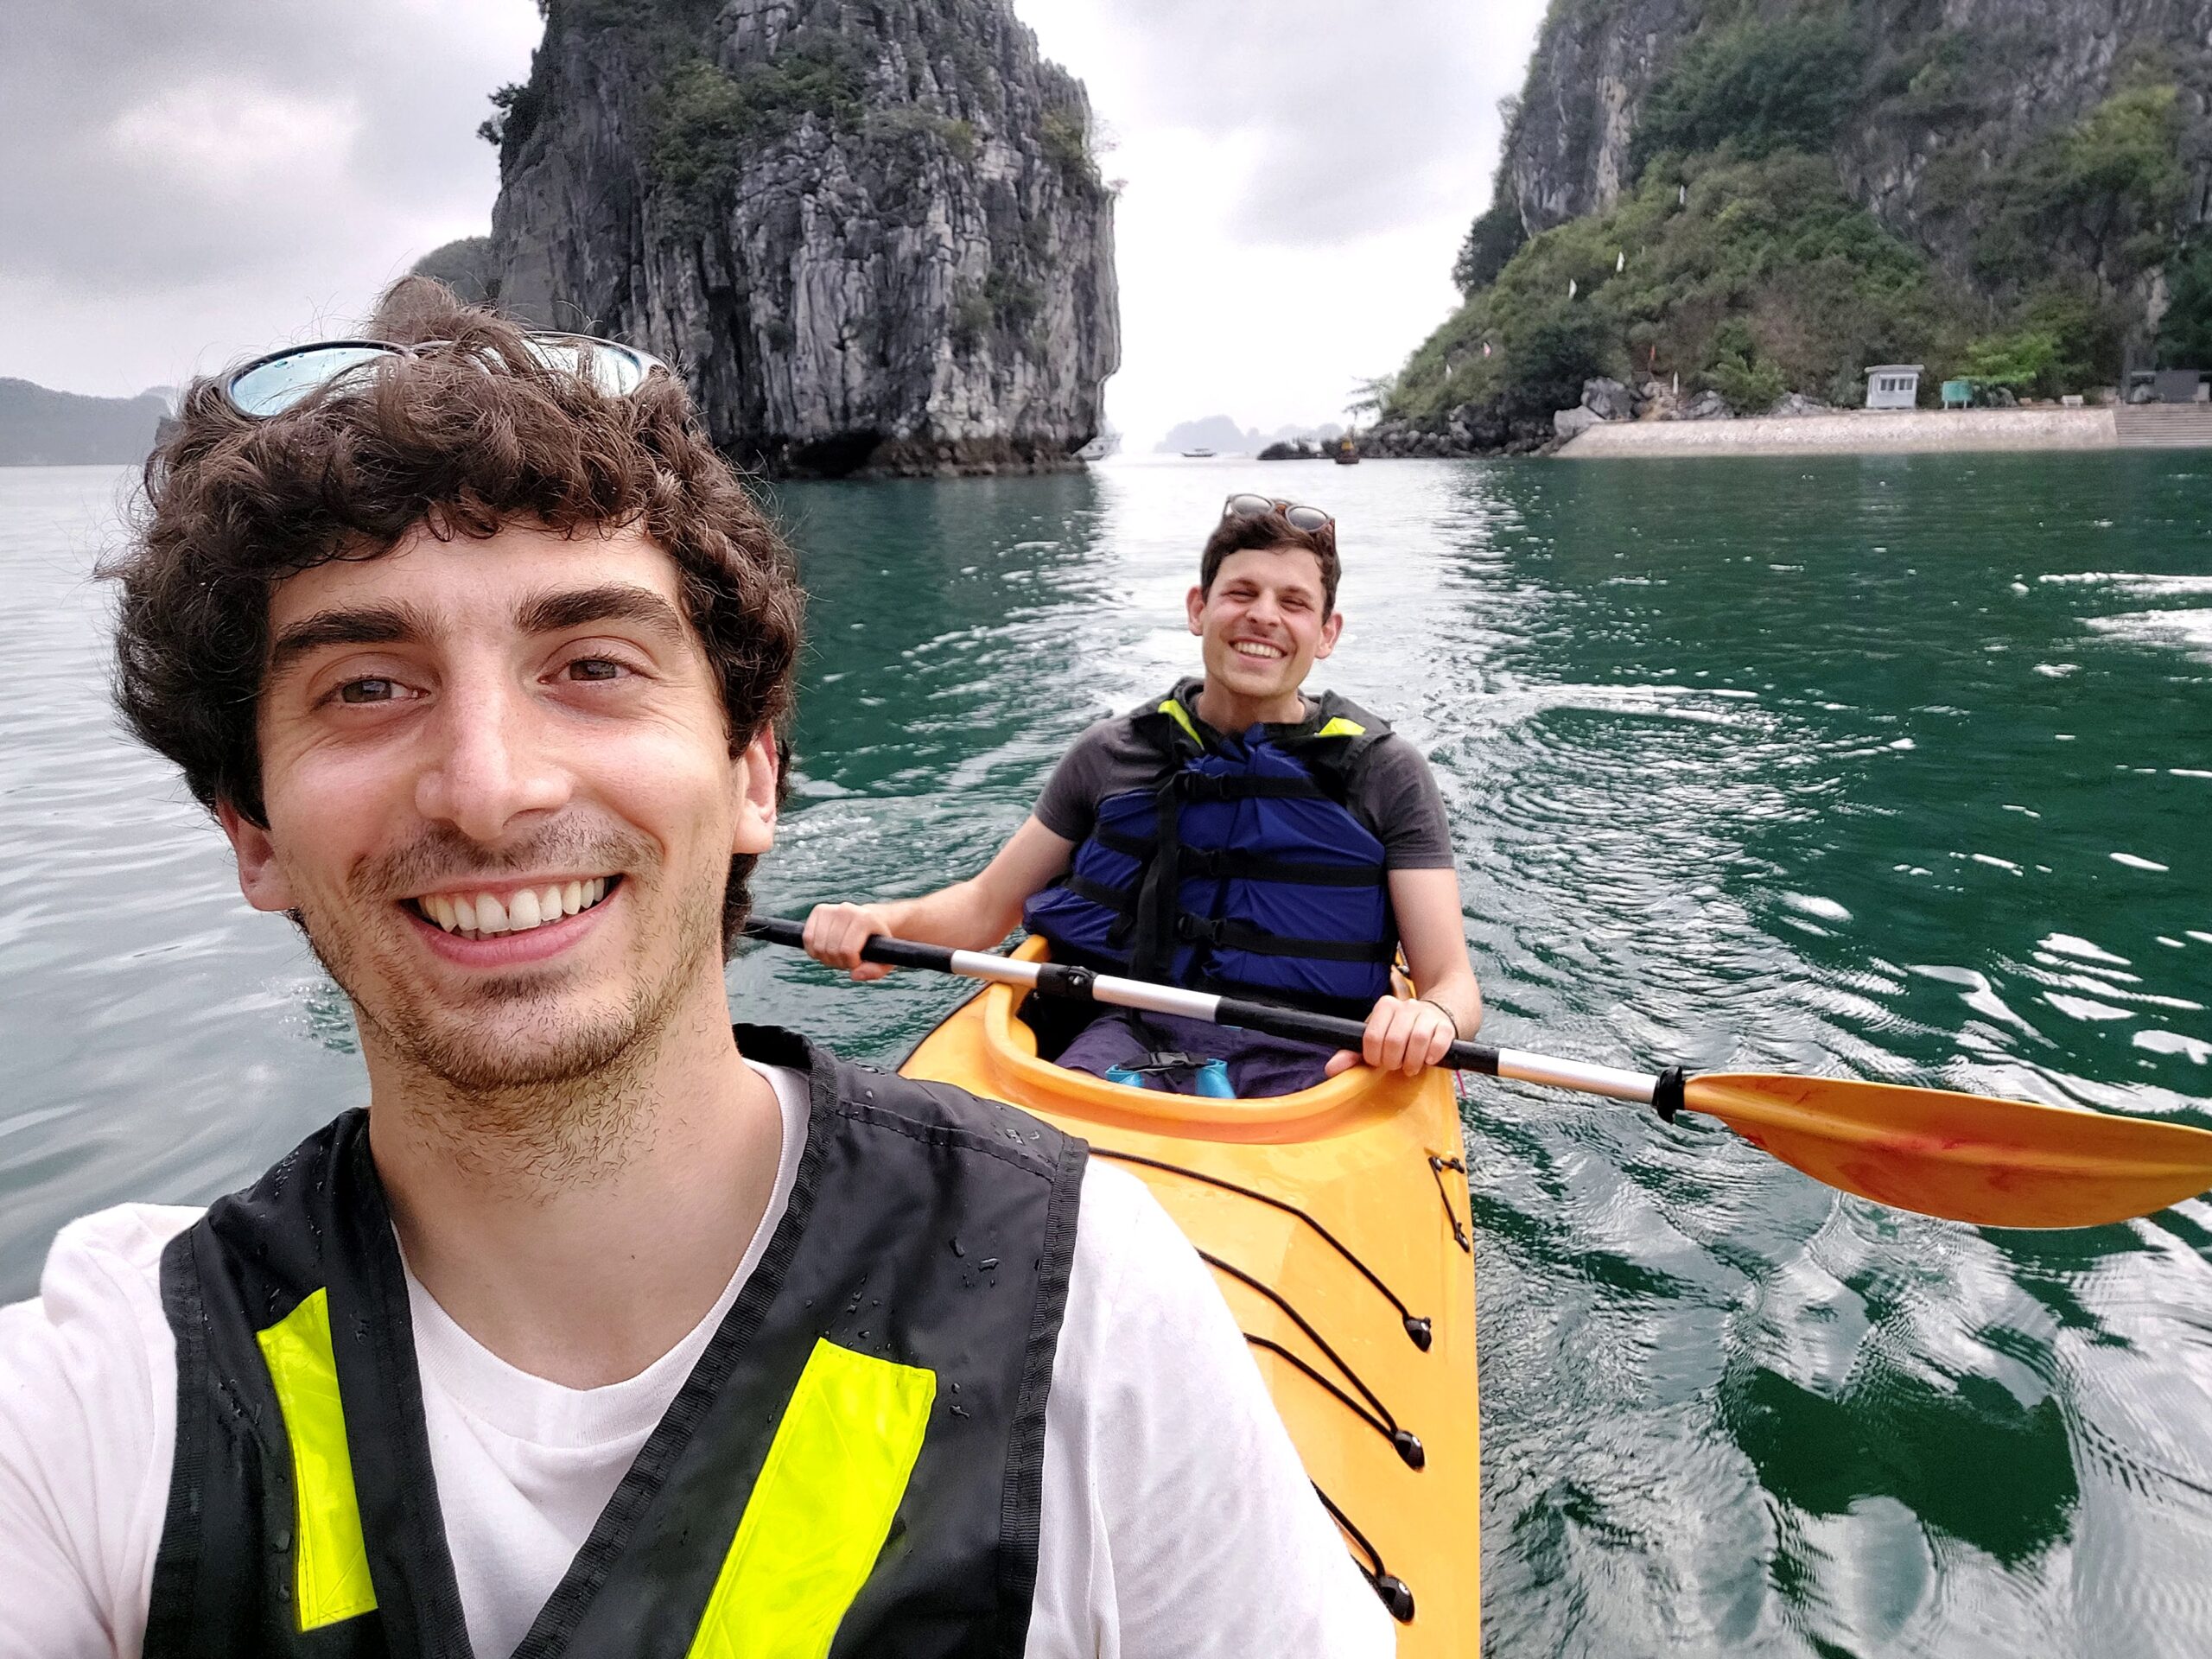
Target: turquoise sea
1896,768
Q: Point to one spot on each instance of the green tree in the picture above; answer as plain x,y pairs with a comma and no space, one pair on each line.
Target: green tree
1551,362
2185,332
1493,240
1755,87
2109,188
1750,383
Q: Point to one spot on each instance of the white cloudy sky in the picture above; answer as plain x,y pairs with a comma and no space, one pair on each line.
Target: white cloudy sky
186,183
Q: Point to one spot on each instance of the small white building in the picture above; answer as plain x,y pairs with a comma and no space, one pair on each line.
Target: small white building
1893,386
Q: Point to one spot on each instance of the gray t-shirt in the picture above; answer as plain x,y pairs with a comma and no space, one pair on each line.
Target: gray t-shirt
1393,792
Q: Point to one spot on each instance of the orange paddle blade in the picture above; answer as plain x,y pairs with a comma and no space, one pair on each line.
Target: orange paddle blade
1993,1162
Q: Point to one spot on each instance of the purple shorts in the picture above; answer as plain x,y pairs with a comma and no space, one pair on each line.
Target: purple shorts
1259,1065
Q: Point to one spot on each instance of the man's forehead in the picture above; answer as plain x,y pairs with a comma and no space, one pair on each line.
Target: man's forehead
488,578
1276,565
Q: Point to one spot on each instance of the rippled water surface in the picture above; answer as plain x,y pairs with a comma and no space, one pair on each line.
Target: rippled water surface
1898,768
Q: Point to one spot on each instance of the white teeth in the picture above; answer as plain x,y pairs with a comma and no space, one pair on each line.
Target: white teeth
486,915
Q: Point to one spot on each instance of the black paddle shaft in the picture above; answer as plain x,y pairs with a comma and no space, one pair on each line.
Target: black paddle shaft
1077,984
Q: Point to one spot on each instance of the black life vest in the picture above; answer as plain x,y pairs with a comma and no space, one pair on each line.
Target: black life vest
1244,870
858,1450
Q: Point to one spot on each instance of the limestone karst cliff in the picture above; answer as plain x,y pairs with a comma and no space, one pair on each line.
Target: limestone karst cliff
1932,109
872,233
1758,198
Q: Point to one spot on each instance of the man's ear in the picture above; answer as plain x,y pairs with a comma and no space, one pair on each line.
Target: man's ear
260,877
755,782
1330,630
1195,603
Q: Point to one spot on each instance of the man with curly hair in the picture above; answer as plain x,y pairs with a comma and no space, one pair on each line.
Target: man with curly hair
605,1328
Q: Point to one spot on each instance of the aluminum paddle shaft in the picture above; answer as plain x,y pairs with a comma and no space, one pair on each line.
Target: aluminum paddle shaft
1080,984
1980,1159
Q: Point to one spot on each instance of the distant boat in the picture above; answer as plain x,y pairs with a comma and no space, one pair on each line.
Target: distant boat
1347,453
1197,455
1105,444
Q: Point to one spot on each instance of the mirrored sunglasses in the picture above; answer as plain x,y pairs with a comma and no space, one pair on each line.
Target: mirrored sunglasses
270,385
1308,520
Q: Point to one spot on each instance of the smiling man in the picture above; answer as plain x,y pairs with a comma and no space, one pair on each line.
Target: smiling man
1234,835
605,1329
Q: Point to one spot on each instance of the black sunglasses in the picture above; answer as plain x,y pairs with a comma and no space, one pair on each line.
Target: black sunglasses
270,385
1308,520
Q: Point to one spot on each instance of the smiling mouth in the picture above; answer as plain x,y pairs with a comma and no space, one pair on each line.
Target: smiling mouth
488,915
1256,648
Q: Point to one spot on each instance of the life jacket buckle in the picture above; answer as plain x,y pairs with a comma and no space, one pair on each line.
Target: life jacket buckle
1199,929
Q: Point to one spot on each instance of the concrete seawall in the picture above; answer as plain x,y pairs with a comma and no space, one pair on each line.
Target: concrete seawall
1853,432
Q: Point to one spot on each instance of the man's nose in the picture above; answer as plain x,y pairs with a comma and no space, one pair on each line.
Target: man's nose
492,763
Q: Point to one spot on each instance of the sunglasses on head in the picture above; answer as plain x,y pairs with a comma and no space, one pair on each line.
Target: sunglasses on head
270,385
1309,519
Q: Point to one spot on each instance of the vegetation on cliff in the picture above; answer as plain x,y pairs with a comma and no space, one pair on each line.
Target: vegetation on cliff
1809,188
1755,277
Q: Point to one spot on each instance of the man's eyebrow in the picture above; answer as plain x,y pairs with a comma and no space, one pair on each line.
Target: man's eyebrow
615,602
366,624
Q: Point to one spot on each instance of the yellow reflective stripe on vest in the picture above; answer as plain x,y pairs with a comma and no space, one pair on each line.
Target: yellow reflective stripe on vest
333,1562
821,1510
1182,718
1340,727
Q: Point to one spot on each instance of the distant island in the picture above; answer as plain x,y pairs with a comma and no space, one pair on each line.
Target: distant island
1707,211
39,428
1223,436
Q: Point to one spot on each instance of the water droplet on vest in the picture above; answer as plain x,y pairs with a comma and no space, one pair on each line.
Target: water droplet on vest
989,1263
958,1248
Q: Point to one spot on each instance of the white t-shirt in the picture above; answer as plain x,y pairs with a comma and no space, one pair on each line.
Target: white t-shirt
1177,1519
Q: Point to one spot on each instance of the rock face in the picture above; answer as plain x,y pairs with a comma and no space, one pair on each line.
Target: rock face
1949,98
871,233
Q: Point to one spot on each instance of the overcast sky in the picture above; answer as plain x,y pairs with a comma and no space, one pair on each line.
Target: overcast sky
185,183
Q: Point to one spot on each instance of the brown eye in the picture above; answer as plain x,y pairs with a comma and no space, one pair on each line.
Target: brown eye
594,668
366,692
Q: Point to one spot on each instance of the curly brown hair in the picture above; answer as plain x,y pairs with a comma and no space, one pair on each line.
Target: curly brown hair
1240,532
471,432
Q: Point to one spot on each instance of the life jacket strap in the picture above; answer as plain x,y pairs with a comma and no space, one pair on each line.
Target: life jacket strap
1228,863
1240,787
1122,899
1228,934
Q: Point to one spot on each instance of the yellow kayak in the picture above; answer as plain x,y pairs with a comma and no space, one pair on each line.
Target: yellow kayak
1336,1220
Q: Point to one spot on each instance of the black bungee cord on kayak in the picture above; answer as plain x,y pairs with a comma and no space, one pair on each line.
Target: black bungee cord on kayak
1417,1325
1396,1595
1403,1441
1437,1165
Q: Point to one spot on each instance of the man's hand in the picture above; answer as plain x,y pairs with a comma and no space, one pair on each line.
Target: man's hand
835,934
1403,1035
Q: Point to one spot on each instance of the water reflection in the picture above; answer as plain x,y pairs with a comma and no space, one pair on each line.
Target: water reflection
1764,764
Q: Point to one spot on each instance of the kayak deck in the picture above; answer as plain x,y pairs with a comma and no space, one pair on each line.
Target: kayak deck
1336,1221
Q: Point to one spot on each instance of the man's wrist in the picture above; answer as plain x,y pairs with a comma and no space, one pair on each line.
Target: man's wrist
1446,1012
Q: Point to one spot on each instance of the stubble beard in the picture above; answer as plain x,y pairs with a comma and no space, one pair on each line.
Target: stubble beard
513,1078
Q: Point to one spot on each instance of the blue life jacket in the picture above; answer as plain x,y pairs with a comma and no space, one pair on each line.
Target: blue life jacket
1244,871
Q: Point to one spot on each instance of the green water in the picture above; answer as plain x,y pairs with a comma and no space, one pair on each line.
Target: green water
1896,768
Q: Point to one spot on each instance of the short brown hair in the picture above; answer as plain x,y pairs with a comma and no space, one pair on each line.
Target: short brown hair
472,433
1241,532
